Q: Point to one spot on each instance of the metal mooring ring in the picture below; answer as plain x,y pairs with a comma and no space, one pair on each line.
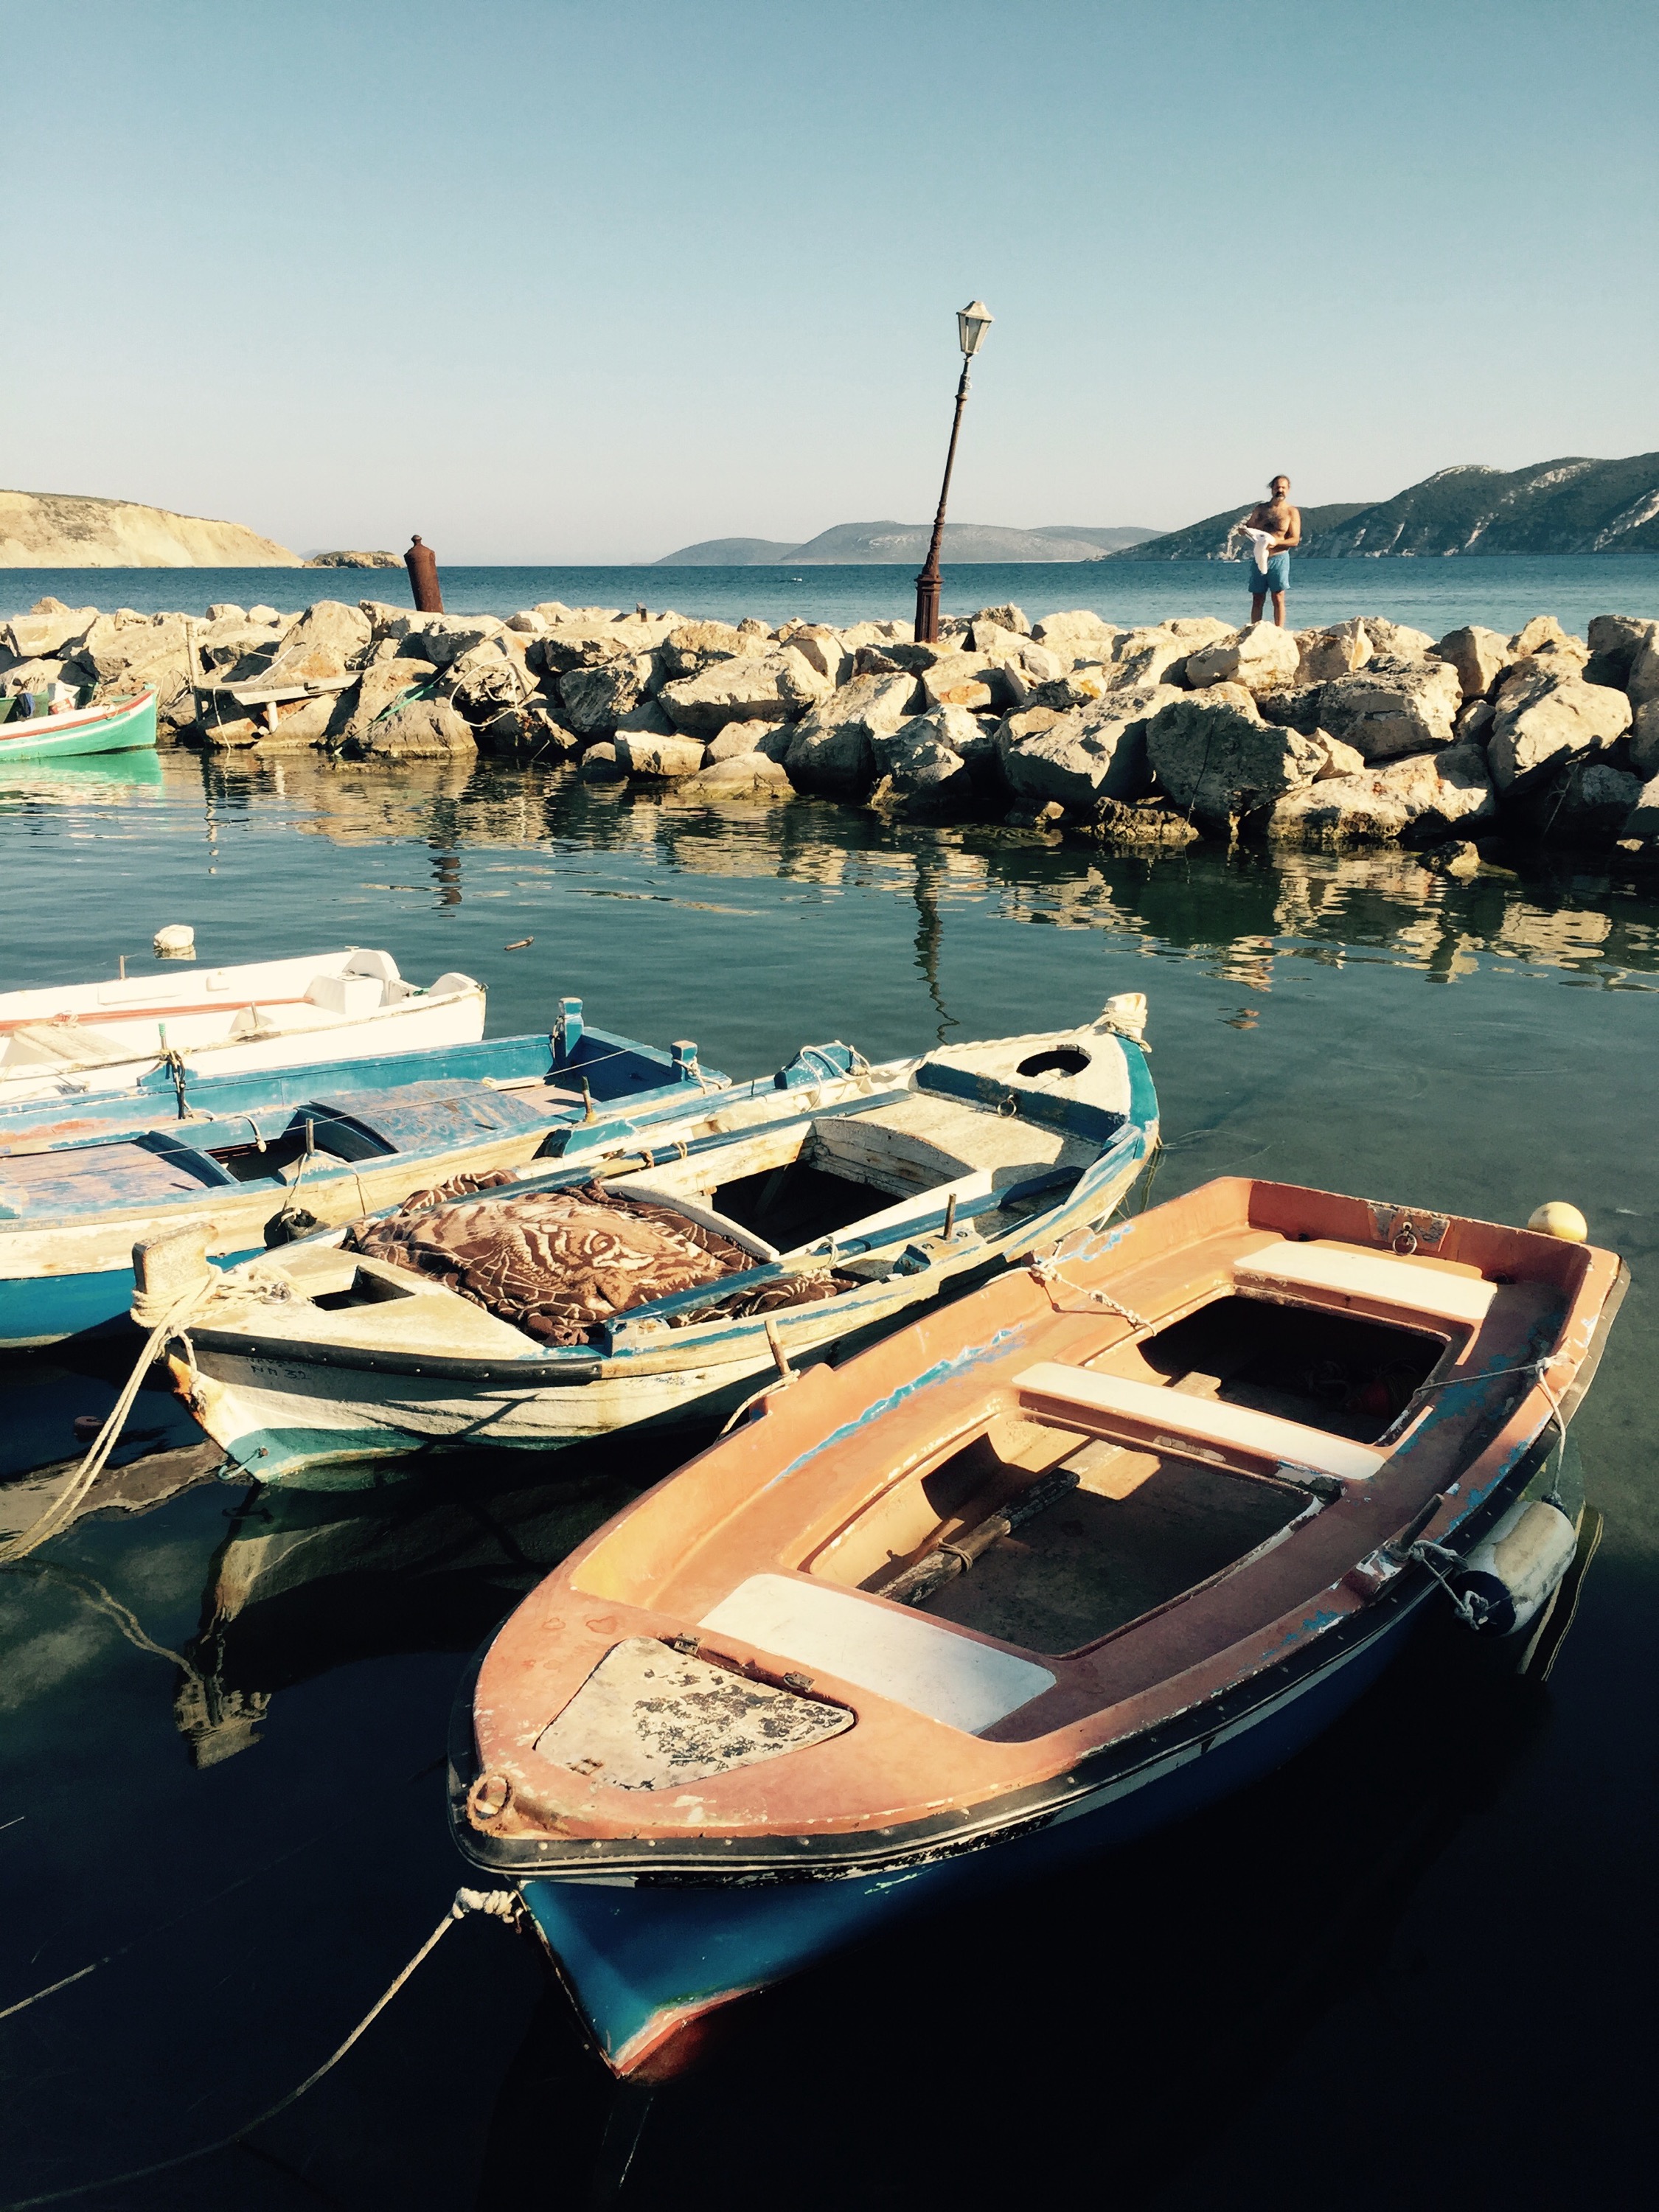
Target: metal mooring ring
1405,1239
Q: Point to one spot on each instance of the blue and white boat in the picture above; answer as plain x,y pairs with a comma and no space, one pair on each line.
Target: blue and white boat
1080,1554
255,1159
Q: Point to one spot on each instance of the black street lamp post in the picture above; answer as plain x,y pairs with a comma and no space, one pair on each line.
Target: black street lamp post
972,323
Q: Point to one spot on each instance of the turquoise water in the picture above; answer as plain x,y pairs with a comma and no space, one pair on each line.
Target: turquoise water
1432,595
222,1716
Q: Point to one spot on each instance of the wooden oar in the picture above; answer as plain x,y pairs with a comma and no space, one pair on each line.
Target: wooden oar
912,1585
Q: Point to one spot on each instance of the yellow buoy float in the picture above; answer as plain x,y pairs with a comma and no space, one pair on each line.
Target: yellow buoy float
1555,1218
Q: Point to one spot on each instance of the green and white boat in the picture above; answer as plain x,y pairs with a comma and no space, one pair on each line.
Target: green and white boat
35,733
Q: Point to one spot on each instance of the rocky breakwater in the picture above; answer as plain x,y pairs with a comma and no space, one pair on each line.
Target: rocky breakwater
1362,732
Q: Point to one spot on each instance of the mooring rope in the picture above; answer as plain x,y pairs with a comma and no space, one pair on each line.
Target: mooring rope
504,1904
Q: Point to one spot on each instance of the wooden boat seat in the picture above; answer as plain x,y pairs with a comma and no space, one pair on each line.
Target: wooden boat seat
1378,1278
1189,1421
917,1663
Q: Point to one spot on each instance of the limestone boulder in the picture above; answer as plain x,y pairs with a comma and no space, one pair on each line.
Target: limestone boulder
1336,651
1396,640
1473,723
1298,708
531,732
1217,760
739,775
1096,751
595,700
1479,656
832,749
1084,680
116,644
907,653
647,718
1154,655
1542,720
663,757
382,684
690,648
443,639
532,624
1261,656
1146,822
1616,643
735,689
803,682
1198,630
1641,684
1645,738
328,640
271,617
1005,618
427,729
965,679
736,739
296,725
824,650
1422,796
37,676
1543,633
1080,634
1338,759
1392,707
586,642
599,764
50,633
491,676
921,768
1640,827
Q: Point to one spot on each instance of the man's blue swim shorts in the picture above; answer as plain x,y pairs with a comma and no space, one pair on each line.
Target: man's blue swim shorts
1278,578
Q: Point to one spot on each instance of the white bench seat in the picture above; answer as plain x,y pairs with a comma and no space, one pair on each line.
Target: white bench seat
1379,1277
1181,1422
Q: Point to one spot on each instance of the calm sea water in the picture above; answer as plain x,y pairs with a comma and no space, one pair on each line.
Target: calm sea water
1432,595
1414,1959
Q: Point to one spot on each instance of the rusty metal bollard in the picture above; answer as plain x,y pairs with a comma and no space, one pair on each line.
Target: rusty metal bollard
422,563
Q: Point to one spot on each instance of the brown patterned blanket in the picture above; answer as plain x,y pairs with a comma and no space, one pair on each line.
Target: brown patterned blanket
559,1263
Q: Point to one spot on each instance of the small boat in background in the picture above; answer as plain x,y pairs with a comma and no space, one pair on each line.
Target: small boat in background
36,729
86,1040
251,1160
1085,1551
663,1274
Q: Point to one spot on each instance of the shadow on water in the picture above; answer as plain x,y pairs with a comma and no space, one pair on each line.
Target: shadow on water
1402,1969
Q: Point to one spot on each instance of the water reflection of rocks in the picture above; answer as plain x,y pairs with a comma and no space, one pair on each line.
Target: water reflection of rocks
1243,911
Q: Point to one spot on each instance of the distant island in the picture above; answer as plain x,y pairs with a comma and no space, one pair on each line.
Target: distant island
1573,505
63,529
355,561
867,544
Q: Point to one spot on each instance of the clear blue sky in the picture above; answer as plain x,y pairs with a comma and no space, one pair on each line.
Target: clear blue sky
560,282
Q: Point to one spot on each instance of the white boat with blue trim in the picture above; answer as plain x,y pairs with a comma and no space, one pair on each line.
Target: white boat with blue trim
663,1275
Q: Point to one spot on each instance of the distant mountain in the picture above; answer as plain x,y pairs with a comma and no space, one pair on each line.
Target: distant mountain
905,542
727,553
1572,505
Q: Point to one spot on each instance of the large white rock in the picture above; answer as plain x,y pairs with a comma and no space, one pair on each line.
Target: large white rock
965,679
832,749
52,635
1336,651
1479,656
1007,617
1645,738
825,650
1424,794
1641,825
382,683
1544,720
658,757
329,639
919,768
1395,640
1153,655
1392,706
443,639
690,648
1096,751
595,700
1642,685
1261,656
1079,633
1616,643
739,775
736,688
1218,760
428,729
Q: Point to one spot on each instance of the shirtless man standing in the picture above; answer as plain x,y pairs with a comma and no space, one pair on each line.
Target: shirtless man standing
1283,524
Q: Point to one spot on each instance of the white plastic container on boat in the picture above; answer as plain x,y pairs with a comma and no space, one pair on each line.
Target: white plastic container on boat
88,1040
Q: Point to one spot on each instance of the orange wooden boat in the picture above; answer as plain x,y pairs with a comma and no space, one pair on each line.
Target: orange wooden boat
1093,1546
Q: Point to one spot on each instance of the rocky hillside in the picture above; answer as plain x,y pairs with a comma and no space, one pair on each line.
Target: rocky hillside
57,530
1554,506
871,544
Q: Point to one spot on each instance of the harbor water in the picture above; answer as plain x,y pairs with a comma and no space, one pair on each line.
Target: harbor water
1412,1967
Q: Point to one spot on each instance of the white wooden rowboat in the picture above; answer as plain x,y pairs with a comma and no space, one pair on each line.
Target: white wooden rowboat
88,1040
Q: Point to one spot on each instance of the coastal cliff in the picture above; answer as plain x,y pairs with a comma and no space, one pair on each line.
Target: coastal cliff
59,530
